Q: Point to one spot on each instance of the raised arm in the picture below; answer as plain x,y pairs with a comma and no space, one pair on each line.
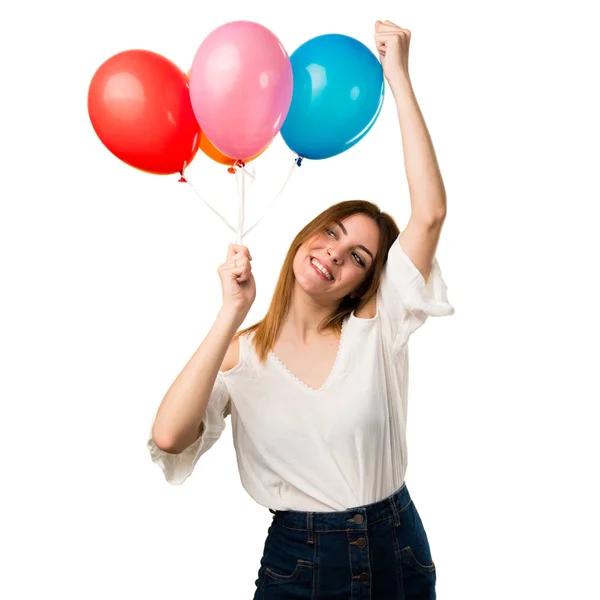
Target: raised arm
420,237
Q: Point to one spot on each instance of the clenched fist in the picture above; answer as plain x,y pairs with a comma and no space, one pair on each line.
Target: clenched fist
392,43
237,281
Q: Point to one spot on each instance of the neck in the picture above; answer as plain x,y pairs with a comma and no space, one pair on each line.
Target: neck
306,314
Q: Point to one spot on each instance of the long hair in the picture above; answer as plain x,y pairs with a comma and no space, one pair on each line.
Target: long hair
267,330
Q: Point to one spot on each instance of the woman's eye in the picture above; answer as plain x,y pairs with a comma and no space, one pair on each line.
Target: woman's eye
356,257
359,260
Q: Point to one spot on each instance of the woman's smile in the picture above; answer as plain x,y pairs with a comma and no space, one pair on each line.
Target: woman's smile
321,269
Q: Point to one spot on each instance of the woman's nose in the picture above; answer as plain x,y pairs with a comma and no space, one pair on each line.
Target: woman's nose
334,256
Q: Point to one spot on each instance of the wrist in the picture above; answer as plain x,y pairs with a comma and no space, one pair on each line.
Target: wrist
230,318
401,85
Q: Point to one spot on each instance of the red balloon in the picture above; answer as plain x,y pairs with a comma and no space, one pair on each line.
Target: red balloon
139,105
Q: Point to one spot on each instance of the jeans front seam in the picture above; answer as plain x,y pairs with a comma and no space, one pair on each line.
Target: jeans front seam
398,563
316,570
350,563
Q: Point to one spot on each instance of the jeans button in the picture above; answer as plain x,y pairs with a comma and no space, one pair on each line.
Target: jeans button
361,542
358,519
364,577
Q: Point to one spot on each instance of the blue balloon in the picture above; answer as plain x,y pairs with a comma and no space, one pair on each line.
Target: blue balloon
338,94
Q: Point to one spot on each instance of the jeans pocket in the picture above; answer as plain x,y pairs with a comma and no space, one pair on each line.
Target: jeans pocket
418,579
287,567
302,570
408,555
417,570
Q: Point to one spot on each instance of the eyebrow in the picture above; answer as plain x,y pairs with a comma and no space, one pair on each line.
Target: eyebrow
339,224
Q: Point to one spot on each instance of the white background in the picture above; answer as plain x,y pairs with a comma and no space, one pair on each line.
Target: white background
109,284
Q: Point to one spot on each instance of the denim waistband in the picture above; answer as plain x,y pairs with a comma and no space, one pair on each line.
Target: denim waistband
353,518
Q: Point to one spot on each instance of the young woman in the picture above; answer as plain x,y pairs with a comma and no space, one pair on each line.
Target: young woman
317,390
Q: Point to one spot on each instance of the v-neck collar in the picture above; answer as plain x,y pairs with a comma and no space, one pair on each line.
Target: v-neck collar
299,381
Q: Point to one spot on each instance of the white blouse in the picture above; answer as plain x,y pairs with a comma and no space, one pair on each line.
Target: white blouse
343,445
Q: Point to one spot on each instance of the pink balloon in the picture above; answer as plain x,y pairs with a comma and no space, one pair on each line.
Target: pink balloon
241,87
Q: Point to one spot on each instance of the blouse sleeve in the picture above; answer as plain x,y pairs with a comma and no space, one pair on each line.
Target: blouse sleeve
405,300
178,467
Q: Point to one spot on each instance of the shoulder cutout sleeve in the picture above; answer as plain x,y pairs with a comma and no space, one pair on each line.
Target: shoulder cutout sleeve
405,300
178,467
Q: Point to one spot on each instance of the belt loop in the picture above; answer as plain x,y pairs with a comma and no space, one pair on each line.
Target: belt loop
309,527
395,510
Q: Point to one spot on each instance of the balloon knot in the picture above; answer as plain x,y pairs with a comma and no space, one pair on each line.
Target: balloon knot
182,179
231,170
299,161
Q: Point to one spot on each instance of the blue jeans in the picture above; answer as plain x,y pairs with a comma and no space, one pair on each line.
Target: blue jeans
377,551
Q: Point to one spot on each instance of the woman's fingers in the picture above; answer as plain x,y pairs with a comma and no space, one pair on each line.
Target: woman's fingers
389,27
237,249
237,264
239,261
239,267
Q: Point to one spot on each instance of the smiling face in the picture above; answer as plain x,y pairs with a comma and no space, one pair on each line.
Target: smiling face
336,261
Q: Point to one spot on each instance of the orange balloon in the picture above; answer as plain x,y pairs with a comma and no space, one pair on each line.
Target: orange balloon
209,149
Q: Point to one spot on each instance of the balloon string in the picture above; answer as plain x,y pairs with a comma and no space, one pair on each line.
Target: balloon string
251,174
242,172
297,162
241,181
184,180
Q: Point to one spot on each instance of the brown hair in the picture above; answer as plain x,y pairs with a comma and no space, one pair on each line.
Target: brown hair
267,329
